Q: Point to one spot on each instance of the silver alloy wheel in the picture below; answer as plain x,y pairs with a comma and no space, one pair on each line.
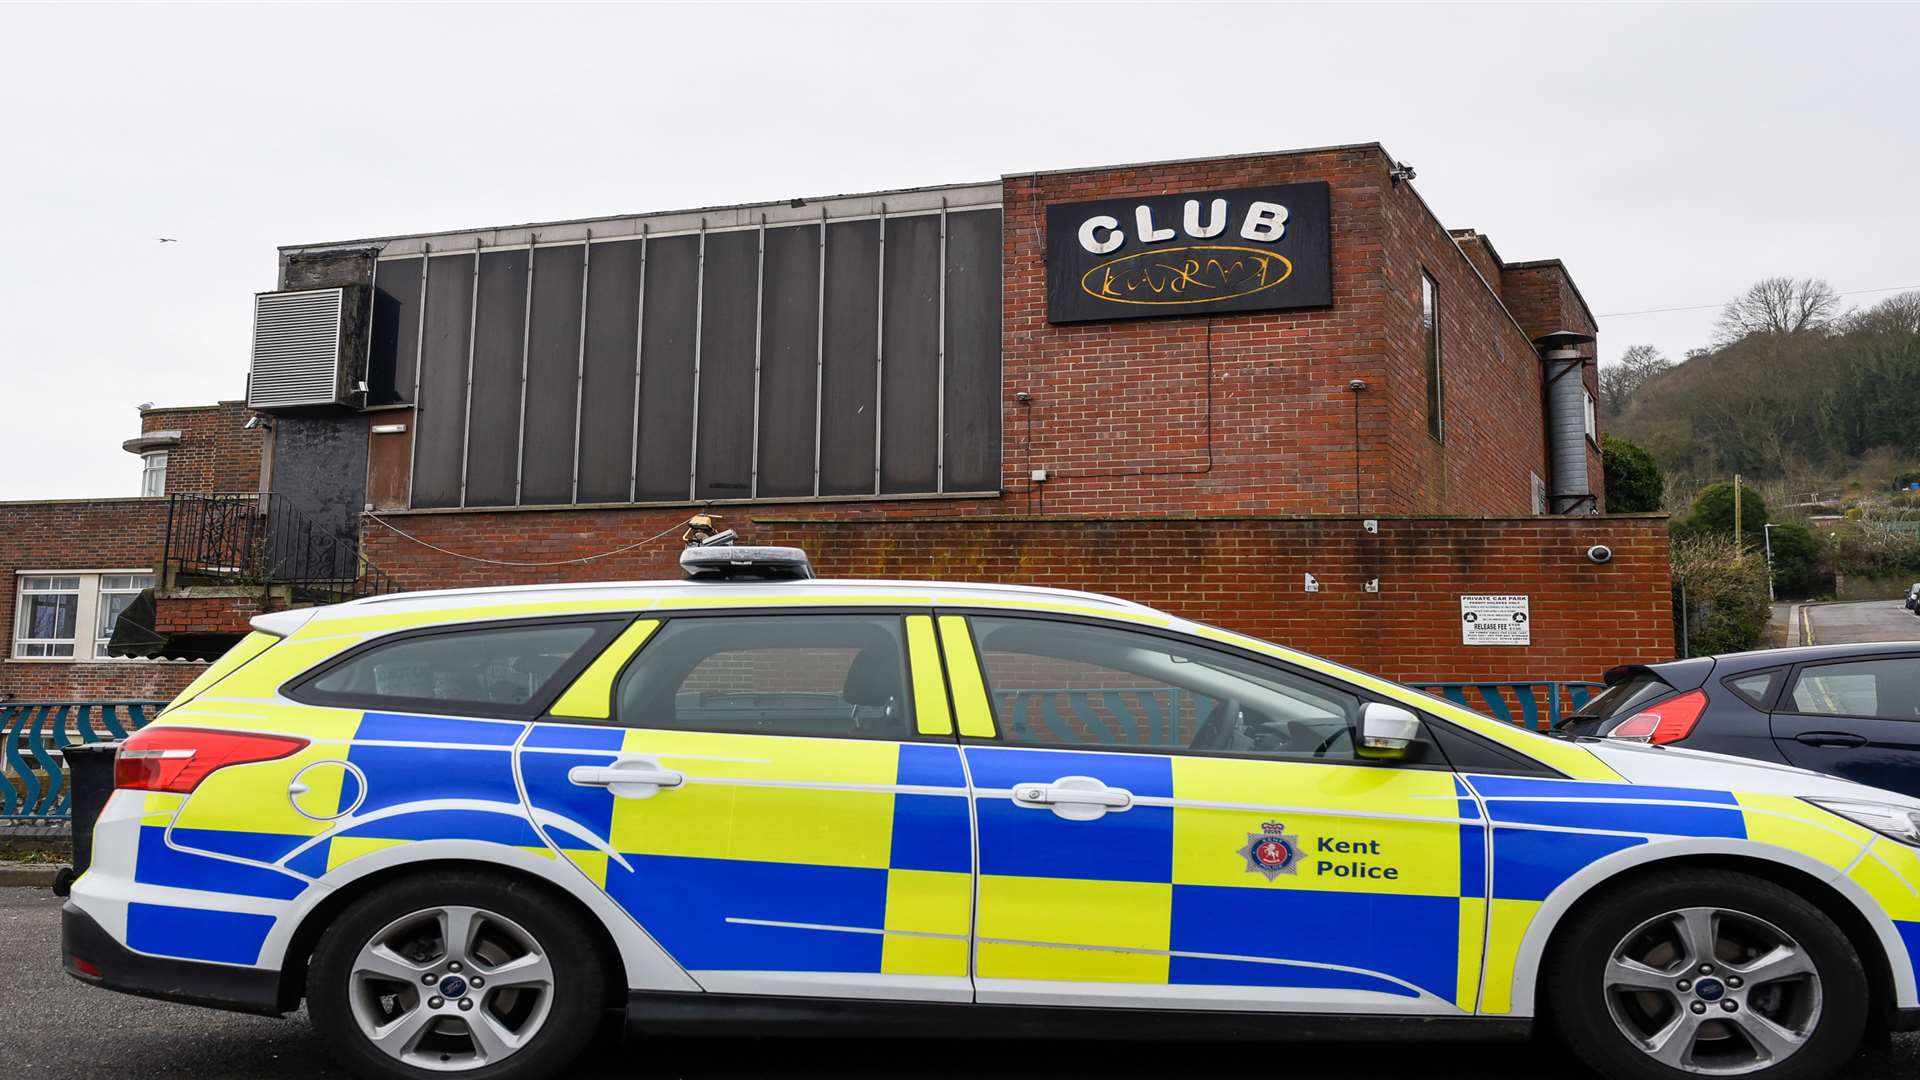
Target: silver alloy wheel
451,988
1712,991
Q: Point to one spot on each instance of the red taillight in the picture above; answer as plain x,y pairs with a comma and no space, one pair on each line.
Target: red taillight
177,759
1669,721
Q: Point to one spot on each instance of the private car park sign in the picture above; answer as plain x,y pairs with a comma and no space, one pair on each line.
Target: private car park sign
1197,253
1495,620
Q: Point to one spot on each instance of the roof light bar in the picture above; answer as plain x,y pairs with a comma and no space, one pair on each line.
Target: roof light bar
726,562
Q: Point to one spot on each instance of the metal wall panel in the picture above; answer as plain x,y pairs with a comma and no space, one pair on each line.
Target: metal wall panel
666,367
499,344
850,358
910,356
553,369
723,468
606,395
396,332
439,425
789,361
973,392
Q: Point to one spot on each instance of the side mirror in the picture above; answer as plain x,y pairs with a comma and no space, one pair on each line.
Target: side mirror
1386,731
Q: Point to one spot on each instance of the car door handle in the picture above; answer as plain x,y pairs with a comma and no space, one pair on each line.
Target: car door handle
1076,798
638,778
1831,739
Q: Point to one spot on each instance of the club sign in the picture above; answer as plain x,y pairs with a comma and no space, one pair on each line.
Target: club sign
1199,253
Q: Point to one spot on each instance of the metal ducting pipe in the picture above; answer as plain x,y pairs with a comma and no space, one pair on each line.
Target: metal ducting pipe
1563,377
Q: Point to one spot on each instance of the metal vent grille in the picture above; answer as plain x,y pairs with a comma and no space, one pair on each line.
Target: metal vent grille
296,349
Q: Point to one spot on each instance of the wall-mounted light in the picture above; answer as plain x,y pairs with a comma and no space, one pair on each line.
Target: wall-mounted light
258,422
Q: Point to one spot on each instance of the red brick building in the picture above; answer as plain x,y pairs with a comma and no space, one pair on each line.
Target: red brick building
1271,391
72,566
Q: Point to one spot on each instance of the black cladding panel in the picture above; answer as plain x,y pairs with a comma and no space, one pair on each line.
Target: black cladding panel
850,358
499,343
910,368
729,302
973,351
395,332
606,396
666,368
553,375
789,360
439,422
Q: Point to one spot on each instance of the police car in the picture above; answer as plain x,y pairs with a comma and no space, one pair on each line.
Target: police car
465,826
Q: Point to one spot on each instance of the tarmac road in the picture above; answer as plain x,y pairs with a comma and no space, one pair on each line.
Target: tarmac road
1868,620
52,1026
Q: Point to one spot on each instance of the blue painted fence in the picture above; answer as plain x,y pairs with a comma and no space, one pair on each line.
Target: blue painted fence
33,781
1539,705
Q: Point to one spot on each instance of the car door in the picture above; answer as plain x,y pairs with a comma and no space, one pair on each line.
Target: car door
775,797
1858,719
1165,823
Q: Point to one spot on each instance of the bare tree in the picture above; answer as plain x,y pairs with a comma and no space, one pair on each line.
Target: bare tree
1898,314
1620,379
1777,305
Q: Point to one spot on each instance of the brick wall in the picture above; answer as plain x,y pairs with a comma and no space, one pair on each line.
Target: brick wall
96,534
216,451
1245,573
1252,412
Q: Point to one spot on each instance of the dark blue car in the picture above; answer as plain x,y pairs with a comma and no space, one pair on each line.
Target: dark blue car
1849,710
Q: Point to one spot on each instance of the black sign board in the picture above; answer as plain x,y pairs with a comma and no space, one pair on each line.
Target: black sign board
1193,253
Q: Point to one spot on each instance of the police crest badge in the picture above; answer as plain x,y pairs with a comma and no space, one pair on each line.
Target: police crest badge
1272,851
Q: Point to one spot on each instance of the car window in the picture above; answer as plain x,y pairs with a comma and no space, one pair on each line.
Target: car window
1887,689
1071,684
505,670
1621,699
1754,686
835,675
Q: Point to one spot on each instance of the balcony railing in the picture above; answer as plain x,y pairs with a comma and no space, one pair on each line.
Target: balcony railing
256,539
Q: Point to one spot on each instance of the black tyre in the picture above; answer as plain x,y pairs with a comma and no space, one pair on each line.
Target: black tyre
465,973
1706,972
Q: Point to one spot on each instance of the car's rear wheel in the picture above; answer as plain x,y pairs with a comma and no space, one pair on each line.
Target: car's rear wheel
1706,973
465,973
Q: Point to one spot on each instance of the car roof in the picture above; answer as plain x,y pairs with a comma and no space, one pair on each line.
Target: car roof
687,594
1802,654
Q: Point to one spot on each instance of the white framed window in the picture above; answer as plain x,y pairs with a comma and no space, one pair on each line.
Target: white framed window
51,607
153,472
1593,420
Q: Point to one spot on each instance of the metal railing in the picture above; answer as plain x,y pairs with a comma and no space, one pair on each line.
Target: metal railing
33,777
259,539
1540,704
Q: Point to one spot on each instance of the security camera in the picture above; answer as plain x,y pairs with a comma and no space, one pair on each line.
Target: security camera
1600,553
1356,385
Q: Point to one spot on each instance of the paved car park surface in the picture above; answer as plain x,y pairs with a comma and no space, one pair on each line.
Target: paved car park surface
56,1027
1867,620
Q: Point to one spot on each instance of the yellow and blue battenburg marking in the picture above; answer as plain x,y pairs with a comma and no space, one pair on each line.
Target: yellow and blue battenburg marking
1162,892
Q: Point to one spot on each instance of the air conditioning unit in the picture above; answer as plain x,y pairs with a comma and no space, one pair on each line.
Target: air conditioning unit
309,349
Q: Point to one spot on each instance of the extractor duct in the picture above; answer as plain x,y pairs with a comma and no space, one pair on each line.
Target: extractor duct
1563,375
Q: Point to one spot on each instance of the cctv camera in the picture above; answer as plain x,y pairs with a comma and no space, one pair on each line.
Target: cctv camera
1356,385
1600,553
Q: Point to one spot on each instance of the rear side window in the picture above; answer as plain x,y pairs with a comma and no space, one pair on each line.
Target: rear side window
1884,689
822,675
508,671
1755,687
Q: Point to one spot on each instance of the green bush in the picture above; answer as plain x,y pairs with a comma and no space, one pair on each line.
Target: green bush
1713,512
1799,571
1725,592
1860,548
1634,482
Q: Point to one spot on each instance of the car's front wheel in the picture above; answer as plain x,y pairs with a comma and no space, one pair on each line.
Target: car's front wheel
1706,973
467,973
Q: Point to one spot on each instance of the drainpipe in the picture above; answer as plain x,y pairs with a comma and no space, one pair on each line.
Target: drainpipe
1564,384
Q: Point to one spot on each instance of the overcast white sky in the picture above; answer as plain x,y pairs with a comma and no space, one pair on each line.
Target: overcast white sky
1671,155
